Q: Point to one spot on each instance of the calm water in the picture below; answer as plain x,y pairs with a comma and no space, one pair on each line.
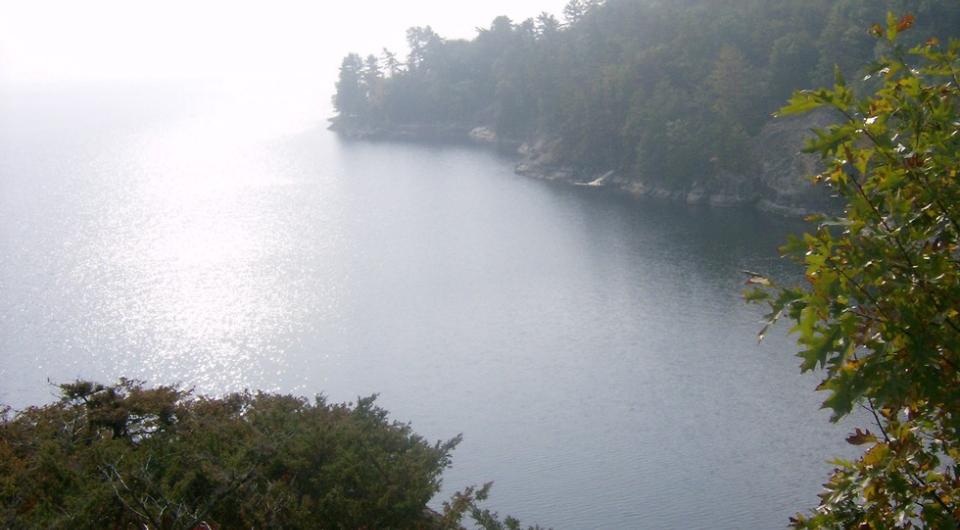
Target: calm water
594,351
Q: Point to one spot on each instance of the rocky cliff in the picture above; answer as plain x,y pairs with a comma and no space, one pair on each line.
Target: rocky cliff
777,180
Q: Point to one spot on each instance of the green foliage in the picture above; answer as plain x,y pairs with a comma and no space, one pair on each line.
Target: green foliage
125,456
351,99
667,91
880,314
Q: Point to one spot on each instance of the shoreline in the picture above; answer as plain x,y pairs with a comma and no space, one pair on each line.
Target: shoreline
532,159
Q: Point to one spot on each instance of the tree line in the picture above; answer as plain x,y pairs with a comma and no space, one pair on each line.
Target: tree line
663,91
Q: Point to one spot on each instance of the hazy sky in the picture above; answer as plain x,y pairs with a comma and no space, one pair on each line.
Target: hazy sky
47,40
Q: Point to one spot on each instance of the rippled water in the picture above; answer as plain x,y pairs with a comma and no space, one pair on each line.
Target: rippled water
593,350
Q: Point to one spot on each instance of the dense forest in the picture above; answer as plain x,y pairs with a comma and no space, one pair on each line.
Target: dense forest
665,92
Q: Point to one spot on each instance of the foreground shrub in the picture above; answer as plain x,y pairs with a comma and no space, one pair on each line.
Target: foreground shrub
125,456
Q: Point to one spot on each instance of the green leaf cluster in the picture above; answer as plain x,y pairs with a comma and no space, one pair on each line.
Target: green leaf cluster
879,314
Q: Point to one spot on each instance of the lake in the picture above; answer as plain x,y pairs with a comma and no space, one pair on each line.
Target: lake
594,350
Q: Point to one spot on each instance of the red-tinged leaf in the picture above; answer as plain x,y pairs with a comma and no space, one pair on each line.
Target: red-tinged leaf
861,437
906,22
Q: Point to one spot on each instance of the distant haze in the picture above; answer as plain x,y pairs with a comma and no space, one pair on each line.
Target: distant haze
173,209
43,41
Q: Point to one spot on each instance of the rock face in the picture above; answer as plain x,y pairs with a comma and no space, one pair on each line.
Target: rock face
784,170
778,181
434,132
483,135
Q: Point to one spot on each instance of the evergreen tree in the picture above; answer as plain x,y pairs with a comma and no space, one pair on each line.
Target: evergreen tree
593,82
350,99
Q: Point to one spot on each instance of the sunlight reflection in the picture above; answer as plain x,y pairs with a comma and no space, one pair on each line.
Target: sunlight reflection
205,291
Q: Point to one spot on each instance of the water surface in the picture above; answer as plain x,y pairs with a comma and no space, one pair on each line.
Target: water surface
594,350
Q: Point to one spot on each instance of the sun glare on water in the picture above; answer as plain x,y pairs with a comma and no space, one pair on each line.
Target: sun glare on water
196,250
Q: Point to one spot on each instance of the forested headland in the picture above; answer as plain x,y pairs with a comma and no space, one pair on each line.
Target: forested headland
673,99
